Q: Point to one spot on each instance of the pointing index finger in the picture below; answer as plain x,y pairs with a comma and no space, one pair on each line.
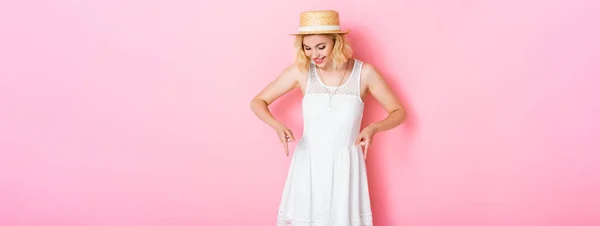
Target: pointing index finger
285,145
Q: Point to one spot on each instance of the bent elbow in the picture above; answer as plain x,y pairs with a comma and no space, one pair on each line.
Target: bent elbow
253,103
256,102
403,115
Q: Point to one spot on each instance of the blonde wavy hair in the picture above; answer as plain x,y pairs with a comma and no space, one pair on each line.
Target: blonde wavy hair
340,54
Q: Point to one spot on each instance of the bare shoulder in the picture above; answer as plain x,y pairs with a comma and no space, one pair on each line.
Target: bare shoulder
287,80
300,76
370,75
293,72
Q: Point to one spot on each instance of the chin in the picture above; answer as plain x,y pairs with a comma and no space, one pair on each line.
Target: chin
321,65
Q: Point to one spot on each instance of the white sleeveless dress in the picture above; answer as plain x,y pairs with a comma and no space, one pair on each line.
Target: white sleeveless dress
327,180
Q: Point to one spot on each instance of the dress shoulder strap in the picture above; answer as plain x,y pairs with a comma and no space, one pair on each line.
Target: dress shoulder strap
311,82
357,71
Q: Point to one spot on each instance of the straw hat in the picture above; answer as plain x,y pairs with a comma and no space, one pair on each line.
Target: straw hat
320,22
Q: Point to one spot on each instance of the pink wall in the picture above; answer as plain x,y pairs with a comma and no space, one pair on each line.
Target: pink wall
120,113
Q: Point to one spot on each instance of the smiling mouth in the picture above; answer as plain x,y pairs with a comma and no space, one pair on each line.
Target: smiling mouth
318,60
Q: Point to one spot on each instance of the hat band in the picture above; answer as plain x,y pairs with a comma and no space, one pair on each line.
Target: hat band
318,28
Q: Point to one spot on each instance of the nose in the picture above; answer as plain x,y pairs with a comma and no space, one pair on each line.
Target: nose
314,54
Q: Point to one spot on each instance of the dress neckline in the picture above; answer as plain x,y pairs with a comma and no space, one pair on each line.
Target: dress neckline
334,87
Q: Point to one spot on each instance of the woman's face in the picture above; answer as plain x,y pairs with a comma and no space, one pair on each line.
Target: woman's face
318,48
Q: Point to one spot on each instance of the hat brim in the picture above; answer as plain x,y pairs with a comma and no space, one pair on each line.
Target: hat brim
321,32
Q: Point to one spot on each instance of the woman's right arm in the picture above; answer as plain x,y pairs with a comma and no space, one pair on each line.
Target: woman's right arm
288,80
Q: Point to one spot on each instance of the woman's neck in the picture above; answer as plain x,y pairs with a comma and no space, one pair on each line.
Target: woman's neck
329,67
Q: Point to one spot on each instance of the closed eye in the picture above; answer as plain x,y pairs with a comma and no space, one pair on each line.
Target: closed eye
320,46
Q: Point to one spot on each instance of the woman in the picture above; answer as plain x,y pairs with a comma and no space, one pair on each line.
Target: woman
327,181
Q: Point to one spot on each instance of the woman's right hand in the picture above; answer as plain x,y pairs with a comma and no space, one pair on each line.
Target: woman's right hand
285,136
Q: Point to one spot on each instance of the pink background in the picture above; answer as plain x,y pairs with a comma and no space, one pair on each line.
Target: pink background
136,113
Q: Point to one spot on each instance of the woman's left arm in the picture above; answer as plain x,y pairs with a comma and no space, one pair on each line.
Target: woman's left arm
380,90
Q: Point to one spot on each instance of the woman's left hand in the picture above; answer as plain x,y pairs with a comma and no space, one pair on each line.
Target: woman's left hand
365,138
